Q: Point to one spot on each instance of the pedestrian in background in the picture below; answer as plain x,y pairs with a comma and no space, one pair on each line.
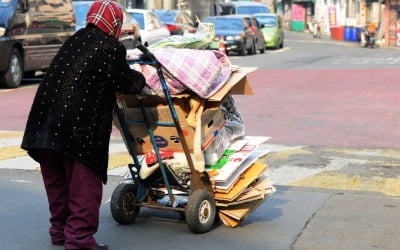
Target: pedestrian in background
70,122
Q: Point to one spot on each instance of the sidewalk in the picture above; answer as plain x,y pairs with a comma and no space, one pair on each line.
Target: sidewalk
327,38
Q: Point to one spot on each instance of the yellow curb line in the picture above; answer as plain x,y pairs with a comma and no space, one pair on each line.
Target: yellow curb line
119,160
387,186
11,152
11,134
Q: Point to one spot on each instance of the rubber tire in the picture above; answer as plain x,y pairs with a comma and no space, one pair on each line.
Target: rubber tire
252,50
122,205
7,79
262,50
194,211
243,52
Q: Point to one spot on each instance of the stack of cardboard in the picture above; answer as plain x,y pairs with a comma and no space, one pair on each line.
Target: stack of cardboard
237,177
240,185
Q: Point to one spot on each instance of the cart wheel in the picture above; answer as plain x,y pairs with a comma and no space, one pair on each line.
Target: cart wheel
200,211
123,199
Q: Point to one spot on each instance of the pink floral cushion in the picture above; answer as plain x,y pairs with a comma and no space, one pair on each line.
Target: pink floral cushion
202,71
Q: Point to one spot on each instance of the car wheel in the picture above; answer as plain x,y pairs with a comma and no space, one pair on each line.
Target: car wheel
13,76
281,45
262,50
252,49
243,51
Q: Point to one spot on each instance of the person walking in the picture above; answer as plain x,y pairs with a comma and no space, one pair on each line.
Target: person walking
70,122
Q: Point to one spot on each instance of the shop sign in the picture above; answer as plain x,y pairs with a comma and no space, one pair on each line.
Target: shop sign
392,27
332,15
298,12
398,33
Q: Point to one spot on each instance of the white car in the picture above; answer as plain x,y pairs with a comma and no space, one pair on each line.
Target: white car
151,29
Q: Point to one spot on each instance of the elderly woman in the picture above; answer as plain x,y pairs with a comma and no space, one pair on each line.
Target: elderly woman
69,126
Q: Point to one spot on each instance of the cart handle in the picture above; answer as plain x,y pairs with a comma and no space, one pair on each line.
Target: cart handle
146,52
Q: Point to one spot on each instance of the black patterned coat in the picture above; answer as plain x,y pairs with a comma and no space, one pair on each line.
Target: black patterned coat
72,110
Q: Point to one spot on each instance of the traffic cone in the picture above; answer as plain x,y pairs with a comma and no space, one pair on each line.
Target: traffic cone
221,46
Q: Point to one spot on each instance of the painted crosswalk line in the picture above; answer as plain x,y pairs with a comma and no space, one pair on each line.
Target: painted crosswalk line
13,157
376,170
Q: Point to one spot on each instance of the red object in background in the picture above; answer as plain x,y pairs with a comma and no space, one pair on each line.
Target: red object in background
171,27
337,33
221,46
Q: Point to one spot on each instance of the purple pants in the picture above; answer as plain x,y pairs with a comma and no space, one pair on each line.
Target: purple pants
74,192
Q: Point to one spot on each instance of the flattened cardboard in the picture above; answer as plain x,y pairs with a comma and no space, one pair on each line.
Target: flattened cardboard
244,181
237,158
167,138
225,187
254,192
228,221
241,211
237,84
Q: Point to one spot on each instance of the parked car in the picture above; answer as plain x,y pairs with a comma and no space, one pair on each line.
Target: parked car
176,21
255,26
151,29
31,33
130,30
243,7
236,34
272,29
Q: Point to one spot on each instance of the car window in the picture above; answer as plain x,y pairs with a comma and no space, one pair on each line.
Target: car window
248,21
139,18
209,20
268,21
187,19
227,9
179,18
229,24
5,3
254,22
128,18
251,9
150,22
80,14
166,17
55,6
155,20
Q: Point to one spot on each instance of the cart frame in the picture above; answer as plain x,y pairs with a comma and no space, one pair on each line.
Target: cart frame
127,200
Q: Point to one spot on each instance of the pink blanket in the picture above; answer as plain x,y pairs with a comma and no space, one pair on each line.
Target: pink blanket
202,71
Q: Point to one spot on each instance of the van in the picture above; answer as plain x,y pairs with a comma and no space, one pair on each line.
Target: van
243,7
31,33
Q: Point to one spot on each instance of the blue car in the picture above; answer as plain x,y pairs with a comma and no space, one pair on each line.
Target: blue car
237,34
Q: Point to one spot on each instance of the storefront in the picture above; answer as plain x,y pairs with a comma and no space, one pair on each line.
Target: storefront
302,11
392,31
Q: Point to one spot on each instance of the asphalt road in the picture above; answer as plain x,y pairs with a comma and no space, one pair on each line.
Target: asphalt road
292,218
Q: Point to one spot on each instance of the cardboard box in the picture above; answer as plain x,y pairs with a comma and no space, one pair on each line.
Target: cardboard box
167,138
237,84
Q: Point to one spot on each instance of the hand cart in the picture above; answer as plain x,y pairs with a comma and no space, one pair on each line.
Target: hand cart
199,207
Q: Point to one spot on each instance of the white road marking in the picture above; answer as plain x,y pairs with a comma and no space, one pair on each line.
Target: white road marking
22,181
23,163
280,50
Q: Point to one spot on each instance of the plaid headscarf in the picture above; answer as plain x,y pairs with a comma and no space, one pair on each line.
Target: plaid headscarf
107,16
